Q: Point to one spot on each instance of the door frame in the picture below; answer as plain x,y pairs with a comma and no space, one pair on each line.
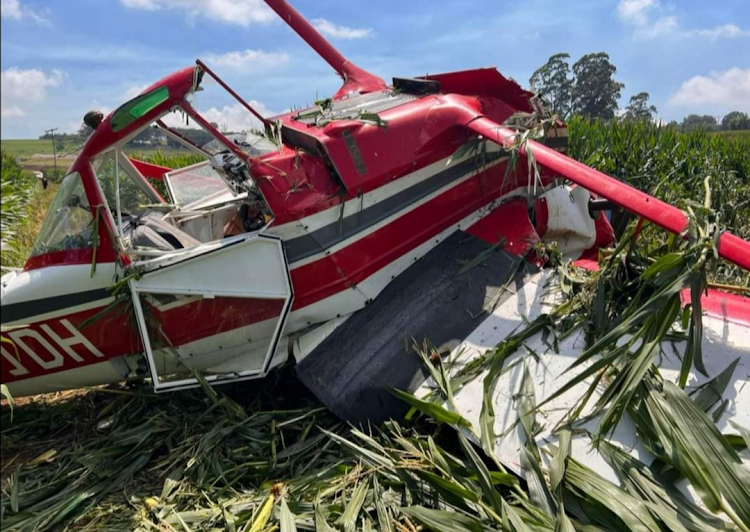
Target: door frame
193,382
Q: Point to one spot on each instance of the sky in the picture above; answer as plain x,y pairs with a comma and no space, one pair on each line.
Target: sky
62,58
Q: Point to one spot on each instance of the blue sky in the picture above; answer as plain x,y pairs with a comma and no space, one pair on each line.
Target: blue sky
60,59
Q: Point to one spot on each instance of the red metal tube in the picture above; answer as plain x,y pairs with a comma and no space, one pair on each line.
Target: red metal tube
731,247
231,91
355,79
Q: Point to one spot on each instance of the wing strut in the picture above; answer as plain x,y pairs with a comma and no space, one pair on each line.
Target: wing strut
355,78
666,216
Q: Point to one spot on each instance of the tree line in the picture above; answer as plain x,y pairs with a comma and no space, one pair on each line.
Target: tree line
590,90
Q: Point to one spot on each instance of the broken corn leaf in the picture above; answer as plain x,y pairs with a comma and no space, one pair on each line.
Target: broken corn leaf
46,456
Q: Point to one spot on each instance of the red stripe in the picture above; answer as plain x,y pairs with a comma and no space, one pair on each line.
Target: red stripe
361,259
70,257
111,334
729,307
208,317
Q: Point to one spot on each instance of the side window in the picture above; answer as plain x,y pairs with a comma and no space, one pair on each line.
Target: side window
194,183
132,198
69,222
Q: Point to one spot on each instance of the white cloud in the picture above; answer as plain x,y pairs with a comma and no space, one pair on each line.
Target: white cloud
236,117
328,28
132,92
230,117
25,86
729,89
12,112
14,10
662,26
640,15
635,11
727,31
249,60
238,12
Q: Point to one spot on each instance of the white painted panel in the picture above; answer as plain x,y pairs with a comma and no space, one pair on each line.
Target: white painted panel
56,281
254,267
723,343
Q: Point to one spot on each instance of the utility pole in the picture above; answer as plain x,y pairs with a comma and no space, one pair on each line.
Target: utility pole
54,148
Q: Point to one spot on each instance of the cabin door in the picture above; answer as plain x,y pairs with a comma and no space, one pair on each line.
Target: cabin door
216,310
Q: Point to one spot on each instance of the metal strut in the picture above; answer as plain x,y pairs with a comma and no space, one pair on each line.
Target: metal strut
666,216
355,78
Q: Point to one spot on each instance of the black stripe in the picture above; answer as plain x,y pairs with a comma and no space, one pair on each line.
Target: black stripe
26,309
308,245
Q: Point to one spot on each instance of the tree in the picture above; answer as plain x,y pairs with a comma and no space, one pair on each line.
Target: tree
85,130
553,84
595,91
638,109
735,121
693,122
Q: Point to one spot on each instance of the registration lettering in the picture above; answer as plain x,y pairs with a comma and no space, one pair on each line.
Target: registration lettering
55,347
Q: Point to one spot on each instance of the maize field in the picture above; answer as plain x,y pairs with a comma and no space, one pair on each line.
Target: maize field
18,189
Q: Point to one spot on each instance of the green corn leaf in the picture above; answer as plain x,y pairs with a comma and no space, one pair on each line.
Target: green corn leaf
605,499
432,410
693,445
443,521
665,502
348,519
538,491
384,518
511,517
287,520
711,392
560,462
483,474
745,433
448,488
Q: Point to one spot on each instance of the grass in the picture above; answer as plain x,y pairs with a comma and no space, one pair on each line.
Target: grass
24,148
266,456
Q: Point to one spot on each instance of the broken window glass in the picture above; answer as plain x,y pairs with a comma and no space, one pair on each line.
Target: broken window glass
69,222
132,198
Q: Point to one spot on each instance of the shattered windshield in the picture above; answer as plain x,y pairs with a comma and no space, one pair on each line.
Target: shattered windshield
111,167
194,183
250,143
69,222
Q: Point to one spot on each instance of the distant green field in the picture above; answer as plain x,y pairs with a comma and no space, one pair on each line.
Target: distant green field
736,134
36,154
23,148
